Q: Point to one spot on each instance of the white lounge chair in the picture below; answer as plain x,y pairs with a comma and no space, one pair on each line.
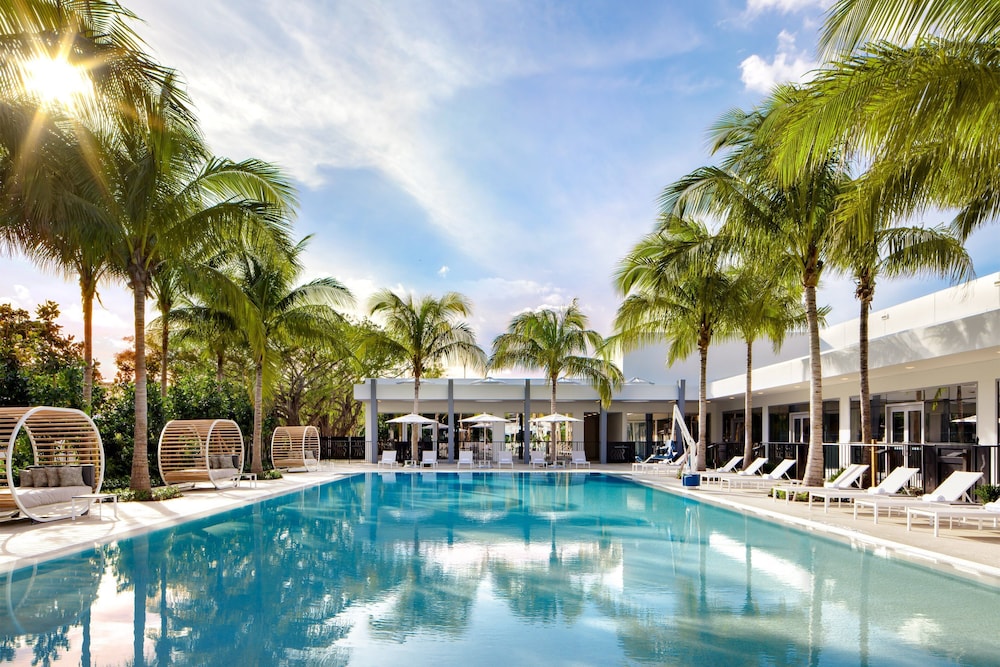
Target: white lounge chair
892,483
728,469
388,459
757,481
950,490
578,458
847,478
980,513
465,458
429,458
505,458
662,465
538,459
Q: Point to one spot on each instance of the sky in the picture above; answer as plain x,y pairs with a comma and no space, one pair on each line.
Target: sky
509,150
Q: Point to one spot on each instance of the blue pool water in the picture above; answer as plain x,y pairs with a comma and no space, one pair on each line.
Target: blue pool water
489,569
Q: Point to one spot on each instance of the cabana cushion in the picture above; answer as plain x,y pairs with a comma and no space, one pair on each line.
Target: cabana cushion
35,497
70,476
27,477
52,472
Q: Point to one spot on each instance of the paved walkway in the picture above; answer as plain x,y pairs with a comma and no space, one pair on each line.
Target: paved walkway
965,551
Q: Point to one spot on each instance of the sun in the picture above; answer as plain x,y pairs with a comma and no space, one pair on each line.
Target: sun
55,81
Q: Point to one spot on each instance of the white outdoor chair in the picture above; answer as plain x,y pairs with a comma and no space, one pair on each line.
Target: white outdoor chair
847,478
465,458
505,458
538,459
578,458
388,459
950,490
429,458
892,483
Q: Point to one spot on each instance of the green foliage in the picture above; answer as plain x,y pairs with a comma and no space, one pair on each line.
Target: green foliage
988,493
125,494
273,473
38,364
201,396
115,419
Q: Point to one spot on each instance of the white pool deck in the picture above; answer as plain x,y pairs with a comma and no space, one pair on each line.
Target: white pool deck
962,550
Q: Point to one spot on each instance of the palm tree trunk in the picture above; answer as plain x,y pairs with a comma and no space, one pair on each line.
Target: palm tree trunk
814,461
748,410
865,293
87,292
219,365
415,428
140,453
164,343
257,460
552,411
699,454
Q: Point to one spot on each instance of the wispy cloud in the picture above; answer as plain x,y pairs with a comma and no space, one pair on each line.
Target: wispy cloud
788,64
784,6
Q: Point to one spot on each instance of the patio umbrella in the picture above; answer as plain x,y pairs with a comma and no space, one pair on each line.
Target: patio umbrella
552,420
484,420
414,418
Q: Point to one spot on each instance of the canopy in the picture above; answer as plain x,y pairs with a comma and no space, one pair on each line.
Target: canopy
554,418
413,418
484,418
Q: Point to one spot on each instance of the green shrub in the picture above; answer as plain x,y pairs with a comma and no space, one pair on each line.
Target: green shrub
988,493
274,473
126,494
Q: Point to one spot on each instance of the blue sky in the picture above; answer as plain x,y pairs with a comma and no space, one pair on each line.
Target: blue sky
512,151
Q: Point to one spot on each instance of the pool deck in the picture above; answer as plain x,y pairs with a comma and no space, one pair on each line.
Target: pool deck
962,550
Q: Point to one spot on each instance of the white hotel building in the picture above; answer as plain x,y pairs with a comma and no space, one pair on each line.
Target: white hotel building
934,367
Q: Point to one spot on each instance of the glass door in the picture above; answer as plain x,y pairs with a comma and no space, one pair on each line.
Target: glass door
799,424
906,423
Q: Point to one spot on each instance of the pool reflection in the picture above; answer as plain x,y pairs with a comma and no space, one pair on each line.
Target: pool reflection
436,568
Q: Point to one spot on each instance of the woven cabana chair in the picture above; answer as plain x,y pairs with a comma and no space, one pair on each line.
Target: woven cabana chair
201,450
68,461
295,447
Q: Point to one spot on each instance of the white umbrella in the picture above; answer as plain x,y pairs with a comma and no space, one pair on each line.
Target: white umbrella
552,420
414,418
484,420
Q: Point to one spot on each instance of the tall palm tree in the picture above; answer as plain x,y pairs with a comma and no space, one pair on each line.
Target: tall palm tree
276,313
677,288
159,193
768,304
789,220
558,342
424,332
868,252
165,286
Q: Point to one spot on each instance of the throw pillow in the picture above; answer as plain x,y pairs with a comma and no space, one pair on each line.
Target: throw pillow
52,473
71,476
39,477
27,477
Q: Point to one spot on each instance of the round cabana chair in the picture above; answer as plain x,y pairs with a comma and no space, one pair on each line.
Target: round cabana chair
68,461
201,450
295,447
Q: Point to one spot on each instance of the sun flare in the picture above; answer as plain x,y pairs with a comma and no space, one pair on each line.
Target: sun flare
55,81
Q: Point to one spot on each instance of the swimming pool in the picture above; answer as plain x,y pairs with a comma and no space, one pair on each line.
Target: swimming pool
483,569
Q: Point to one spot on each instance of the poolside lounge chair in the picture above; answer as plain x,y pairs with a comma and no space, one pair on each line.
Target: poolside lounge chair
950,490
892,483
728,469
388,459
662,465
429,458
979,514
538,459
465,458
847,478
578,458
505,458
757,481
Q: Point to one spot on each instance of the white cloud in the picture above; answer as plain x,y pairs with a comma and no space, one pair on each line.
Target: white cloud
784,6
443,271
20,299
788,64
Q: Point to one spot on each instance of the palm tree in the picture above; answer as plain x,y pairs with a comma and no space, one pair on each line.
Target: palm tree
789,220
768,304
275,313
424,332
558,342
869,252
165,285
677,288
163,194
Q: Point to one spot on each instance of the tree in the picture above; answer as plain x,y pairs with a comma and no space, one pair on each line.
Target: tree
768,304
275,313
790,220
424,332
558,342
677,288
